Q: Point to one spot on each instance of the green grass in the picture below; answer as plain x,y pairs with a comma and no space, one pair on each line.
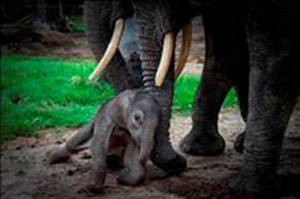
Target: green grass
39,93
48,92
185,89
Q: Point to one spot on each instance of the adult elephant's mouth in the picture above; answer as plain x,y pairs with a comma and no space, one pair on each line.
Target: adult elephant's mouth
102,19
168,48
111,48
166,57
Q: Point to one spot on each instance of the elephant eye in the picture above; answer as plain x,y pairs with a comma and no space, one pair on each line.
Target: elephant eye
138,118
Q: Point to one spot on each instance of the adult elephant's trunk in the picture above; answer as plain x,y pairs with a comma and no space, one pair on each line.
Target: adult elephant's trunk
151,38
100,18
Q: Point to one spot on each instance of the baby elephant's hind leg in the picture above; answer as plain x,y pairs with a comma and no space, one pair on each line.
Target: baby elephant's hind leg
82,136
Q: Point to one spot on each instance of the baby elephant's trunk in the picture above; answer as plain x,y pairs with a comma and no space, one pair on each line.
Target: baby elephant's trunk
145,144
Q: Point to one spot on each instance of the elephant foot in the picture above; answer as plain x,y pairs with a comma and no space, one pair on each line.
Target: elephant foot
127,177
239,142
202,145
165,158
254,187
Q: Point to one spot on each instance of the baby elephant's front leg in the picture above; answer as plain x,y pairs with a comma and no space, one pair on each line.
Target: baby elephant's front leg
135,171
99,168
99,148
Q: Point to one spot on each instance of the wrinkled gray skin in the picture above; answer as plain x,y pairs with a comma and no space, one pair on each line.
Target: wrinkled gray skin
130,119
226,66
266,41
100,17
222,71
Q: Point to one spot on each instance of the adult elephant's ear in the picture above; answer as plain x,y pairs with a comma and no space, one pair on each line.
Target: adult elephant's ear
101,18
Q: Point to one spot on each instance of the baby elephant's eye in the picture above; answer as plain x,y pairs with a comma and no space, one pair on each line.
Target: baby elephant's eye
138,118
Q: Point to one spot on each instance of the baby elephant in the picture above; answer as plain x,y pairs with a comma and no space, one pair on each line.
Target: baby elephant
130,119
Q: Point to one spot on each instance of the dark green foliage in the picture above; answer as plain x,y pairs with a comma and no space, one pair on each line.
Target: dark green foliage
185,89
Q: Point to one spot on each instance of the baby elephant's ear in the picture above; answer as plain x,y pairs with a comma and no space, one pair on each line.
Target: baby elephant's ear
137,118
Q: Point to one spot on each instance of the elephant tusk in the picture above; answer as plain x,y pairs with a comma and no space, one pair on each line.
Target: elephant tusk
167,52
111,49
185,48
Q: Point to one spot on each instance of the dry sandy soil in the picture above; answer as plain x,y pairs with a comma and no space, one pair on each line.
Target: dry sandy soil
25,173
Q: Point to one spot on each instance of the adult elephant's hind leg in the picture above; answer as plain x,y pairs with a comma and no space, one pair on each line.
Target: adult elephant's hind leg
242,90
225,57
204,138
270,107
272,95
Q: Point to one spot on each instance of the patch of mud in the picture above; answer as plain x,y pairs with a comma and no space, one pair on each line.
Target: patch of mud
25,172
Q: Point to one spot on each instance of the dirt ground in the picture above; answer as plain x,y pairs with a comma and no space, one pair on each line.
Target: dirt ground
26,174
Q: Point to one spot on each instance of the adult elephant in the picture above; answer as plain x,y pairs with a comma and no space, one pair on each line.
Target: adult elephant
226,63
102,16
104,25
273,84
226,66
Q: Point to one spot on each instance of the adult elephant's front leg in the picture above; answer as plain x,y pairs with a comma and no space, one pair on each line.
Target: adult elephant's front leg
272,95
151,43
226,65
